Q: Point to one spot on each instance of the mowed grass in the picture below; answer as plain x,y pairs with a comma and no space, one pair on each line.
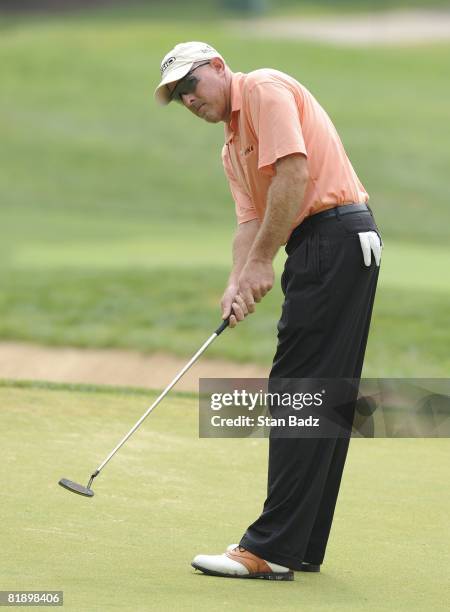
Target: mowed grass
292,7
144,303
116,216
83,139
168,495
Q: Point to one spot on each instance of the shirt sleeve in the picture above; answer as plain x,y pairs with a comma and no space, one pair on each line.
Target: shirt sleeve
245,211
276,121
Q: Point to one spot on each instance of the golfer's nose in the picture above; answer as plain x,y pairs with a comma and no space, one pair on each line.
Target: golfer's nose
188,99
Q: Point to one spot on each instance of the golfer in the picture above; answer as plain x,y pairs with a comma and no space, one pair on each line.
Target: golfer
293,185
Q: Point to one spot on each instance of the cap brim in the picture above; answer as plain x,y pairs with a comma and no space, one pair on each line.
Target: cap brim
162,95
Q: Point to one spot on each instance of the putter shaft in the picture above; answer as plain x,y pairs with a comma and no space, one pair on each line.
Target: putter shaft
201,350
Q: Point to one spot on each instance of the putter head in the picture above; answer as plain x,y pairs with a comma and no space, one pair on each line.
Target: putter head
76,488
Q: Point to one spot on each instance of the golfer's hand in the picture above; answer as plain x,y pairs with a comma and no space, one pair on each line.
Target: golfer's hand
370,243
226,304
255,280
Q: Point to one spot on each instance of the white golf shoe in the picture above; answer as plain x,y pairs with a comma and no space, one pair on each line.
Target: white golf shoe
237,562
306,567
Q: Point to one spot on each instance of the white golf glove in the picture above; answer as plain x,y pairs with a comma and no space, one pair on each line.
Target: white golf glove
370,242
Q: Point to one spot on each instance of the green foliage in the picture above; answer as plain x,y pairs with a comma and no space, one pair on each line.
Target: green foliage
202,10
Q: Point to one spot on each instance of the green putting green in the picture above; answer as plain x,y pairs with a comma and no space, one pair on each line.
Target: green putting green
169,495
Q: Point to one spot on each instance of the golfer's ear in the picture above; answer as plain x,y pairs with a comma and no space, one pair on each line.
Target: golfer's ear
217,64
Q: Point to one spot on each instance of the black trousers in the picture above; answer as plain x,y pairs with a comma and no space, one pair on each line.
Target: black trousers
322,333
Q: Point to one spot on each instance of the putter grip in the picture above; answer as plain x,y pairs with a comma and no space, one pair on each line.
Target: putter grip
223,326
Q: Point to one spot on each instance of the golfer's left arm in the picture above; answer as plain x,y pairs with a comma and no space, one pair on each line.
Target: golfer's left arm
284,200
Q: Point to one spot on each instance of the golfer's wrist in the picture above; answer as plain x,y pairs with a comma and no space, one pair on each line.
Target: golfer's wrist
233,279
260,258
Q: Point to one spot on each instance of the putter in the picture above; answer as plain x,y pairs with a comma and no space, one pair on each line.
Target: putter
87,491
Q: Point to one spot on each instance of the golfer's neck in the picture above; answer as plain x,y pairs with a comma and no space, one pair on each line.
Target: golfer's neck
227,114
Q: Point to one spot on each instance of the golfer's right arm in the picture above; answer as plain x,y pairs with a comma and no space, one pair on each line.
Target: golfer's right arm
243,240
248,227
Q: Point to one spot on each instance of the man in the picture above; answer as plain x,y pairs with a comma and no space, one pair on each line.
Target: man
292,184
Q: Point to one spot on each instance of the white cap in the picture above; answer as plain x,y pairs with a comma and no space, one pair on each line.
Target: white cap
177,63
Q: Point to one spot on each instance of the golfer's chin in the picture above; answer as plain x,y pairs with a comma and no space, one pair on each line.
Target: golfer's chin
209,115
212,119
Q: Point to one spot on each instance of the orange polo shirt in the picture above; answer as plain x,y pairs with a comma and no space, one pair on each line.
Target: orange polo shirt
273,115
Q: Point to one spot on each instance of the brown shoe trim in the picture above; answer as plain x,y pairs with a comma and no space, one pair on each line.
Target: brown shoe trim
254,564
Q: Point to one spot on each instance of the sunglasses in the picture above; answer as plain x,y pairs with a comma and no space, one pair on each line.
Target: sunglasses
186,85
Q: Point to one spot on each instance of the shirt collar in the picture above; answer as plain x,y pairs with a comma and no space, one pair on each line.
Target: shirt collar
236,101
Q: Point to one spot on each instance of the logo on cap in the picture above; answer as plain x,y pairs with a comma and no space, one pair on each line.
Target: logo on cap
167,63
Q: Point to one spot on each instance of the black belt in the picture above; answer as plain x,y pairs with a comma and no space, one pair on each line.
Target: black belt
331,213
343,209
